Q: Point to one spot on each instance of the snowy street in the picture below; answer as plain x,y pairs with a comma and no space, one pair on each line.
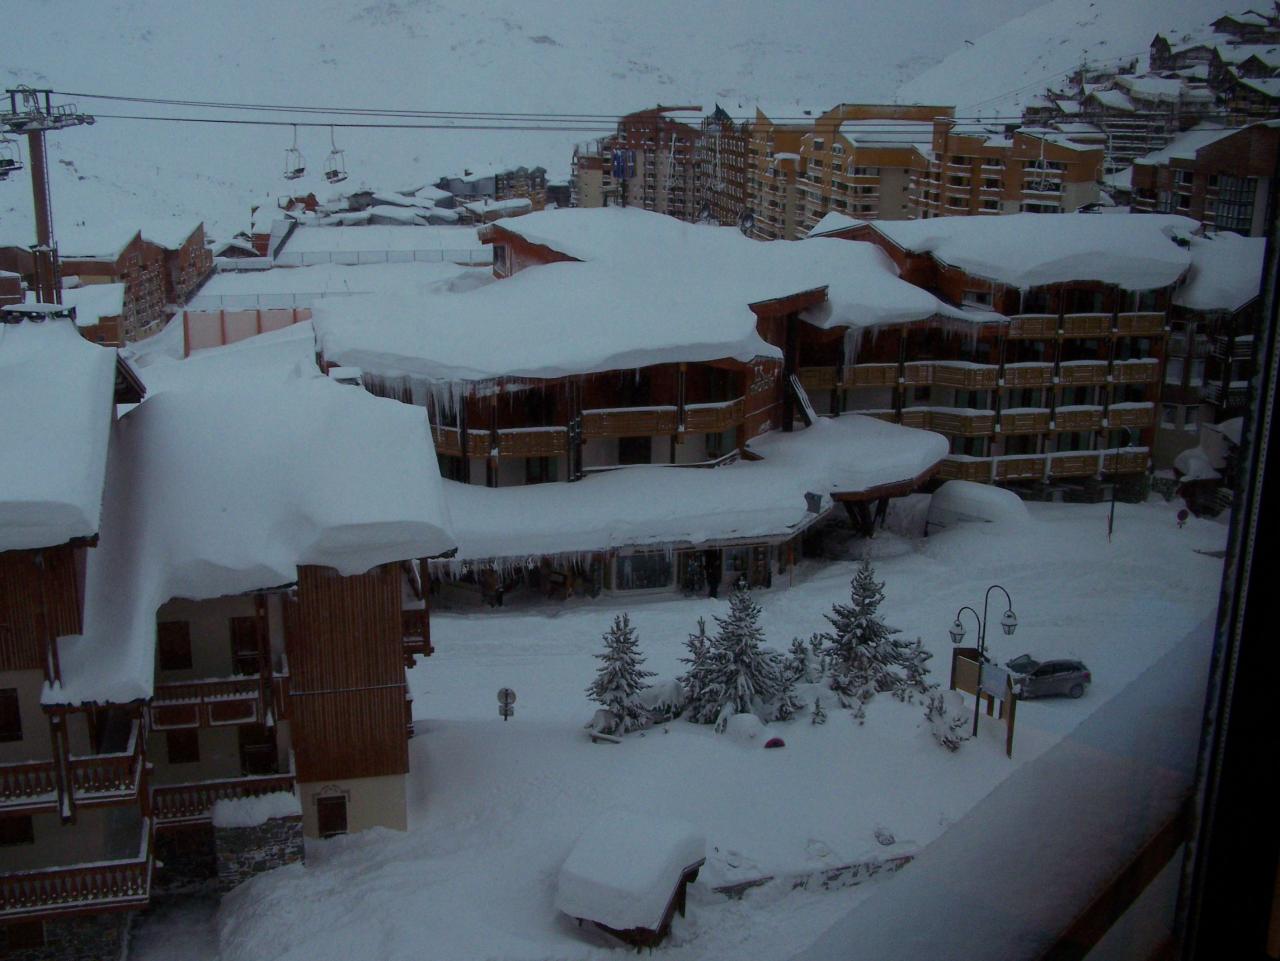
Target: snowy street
495,807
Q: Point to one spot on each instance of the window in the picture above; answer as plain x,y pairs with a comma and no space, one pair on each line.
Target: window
635,450
539,470
641,572
819,144
10,715
500,257
244,645
183,746
977,298
1168,415
17,829
837,148
1235,203
173,639
331,815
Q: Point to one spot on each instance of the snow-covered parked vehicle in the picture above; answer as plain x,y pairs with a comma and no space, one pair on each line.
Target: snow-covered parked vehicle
628,872
1034,678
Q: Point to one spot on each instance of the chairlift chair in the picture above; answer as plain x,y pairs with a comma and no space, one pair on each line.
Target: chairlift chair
294,165
10,157
335,167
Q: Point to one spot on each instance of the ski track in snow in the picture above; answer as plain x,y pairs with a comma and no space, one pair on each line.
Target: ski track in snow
495,807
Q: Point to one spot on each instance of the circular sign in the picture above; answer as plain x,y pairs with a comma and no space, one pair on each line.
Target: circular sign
506,696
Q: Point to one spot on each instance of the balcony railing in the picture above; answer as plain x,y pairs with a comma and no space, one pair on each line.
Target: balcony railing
1028,326
628,421
958,373
1074,464
871,375
817,378
27,784
1077,417
1139,323
1131,415
1024,420
1082,372
1135,371
81,887
714,418
1033,374
1013,467
966,468
1125,460
415,632
207,703
533,442
1086,325
95,779
1234,395
1241,348
448,440
191,803
961,421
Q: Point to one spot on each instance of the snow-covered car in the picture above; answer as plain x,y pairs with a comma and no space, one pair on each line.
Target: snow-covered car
1034,678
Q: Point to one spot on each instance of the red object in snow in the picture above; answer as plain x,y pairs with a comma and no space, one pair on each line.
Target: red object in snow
775,742
1182,516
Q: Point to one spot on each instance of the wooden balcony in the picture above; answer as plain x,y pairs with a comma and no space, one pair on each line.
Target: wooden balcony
967,468
1082,464
1135,371
913,417
207,703
79,888
1082,372
962,422
96,779
415,632
714,418
1024,421
1033,326
885,415
1019,467
1077,418
1126,460
871,375
965,375
448,440
1130,415
1086,325
919,374
817,378
1028,375
192,803
1139,324
628,421
533,442
1225,348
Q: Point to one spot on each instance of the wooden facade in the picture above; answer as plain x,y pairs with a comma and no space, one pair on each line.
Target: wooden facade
40,600
347,686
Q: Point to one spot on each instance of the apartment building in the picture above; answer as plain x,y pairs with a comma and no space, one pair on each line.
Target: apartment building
974,169
1218,176
183,625
497,183
721,154
1049,379
617,339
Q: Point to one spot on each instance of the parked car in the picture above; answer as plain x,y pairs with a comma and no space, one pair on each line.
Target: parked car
1042,678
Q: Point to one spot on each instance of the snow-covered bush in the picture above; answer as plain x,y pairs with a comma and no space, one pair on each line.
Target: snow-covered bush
804,659
948,720
732,673
864,657
819,715
620,679
662,702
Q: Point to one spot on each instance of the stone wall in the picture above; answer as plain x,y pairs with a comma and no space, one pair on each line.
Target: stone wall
244,852
187,859
92,937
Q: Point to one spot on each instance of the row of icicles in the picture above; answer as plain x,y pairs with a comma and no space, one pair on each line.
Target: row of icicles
335,165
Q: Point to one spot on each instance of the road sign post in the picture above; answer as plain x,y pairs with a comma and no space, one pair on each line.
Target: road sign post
506,698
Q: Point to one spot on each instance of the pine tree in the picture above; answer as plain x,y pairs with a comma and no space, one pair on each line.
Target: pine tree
863,656
916,662
947,720
620,678
786,703
800,661
819,715
731,673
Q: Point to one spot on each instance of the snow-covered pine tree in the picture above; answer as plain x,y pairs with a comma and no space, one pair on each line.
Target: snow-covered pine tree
945,714
620,678
916,664
800,661
861,652
736,674
786,703
702,696
819,715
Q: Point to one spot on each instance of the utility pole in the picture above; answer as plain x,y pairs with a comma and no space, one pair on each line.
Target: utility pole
31,112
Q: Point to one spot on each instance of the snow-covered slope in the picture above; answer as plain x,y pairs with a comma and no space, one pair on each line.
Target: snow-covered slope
993,75
454,55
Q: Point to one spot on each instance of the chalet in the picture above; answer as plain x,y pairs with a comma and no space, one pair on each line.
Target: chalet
210,629
616,338
1050,379
99,311
1218,176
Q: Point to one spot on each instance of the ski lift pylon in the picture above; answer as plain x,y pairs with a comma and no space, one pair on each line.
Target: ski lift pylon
335,166
294,165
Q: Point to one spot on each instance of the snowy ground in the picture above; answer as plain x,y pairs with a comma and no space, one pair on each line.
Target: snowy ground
496,807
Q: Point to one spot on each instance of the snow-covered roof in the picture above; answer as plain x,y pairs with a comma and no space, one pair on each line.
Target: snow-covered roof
1226,272
1152,88
624,869
650,289
1233,53
243,463
1268,86
57,390
888,133
1184,146
378,238
509,206
834,222
638,506
1135,252
95,301
1114,99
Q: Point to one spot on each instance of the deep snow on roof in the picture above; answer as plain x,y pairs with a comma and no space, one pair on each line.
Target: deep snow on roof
57,391
1184,146
834,222
638,506
1135,252
242,464
1226,272
377,238
95,301
888,133
650,289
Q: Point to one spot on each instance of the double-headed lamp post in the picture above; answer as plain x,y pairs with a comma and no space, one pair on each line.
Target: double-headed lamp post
1008,621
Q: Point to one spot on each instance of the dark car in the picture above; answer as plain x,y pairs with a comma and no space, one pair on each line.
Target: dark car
1042,678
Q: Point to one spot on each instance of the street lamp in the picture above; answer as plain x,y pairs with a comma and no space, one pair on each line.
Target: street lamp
1008,623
